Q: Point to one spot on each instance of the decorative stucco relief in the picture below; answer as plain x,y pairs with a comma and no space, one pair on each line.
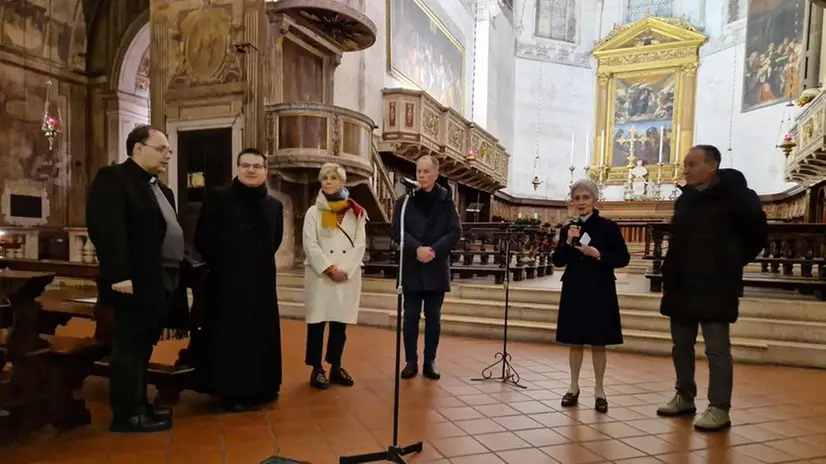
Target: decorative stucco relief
553,52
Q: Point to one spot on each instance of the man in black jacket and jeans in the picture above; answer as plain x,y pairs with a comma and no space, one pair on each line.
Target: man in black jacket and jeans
718,228
431,230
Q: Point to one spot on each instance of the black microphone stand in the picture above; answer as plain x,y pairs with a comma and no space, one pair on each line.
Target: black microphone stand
394,453
509,375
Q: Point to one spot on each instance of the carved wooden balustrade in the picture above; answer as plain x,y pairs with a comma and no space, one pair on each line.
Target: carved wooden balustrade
301,137
481,251
16,242
382,186
416,124
806,155
794,258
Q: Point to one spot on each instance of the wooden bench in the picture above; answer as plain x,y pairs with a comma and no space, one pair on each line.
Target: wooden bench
788,261
41,374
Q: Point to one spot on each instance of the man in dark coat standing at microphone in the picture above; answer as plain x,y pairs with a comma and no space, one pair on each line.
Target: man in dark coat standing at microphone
718,228
432,229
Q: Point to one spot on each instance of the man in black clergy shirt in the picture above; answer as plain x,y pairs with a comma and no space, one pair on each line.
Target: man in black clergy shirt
140,246
431,230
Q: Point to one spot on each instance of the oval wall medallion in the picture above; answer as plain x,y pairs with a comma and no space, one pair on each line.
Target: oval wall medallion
207,42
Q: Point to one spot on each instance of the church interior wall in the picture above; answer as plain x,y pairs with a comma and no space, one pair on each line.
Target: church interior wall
557,79
41,61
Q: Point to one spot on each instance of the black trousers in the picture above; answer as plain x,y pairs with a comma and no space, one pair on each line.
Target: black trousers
137,331
336,337
414,302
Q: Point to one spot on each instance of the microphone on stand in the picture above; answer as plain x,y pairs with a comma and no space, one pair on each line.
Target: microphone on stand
410,184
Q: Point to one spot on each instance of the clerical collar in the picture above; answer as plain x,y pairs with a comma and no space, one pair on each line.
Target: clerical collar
138,170
153,180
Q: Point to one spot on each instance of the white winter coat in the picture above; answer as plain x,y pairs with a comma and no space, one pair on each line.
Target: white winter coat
324,299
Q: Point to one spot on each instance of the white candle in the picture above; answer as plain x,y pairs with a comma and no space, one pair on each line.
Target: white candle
587,147
662,138
519,216
536,215
573,145
602,155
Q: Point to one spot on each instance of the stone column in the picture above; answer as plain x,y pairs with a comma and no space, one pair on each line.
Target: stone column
814,44
254,33
158,63
481,64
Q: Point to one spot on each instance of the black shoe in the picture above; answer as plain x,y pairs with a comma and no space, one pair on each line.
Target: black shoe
410,370
601,405
429,371
339,376
570,399
318,380
142,423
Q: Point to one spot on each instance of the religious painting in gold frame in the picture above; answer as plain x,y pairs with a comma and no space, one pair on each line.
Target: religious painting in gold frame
646,87
422,52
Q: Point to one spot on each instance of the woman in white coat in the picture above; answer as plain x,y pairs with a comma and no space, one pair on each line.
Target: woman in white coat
334,243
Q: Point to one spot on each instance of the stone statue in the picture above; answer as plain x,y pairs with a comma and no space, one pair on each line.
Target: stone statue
639,180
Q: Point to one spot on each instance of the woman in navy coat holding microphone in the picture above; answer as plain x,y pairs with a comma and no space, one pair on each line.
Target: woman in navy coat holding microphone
589,248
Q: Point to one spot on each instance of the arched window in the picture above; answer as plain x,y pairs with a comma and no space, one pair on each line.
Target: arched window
639,9
737,9
556,20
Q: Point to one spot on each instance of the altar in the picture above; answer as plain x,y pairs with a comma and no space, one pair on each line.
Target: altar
646,87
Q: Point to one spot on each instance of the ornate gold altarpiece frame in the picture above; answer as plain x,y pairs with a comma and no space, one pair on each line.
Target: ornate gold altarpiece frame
651,46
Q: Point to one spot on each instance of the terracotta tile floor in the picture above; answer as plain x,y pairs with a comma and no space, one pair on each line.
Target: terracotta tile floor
780,415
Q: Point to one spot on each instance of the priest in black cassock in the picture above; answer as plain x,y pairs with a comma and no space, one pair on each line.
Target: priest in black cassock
237,353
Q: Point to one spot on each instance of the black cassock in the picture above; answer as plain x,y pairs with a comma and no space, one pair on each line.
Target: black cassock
237,352
588,308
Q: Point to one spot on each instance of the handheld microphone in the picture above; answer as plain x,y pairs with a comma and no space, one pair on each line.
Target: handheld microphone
410,184
577,222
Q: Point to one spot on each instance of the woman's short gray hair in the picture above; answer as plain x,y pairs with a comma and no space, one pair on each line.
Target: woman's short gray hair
327,168
586,185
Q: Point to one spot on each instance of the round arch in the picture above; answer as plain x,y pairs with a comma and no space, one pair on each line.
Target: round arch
127,104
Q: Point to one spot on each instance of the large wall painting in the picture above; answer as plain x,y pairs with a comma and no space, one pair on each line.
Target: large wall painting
424,53
643,105
774,47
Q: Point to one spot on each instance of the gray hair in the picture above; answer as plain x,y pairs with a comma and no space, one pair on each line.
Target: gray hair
327,168
586,185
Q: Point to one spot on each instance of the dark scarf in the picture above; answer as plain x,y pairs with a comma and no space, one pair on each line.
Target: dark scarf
424,200
252,194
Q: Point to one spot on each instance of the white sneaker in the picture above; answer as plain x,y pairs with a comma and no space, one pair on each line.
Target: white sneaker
678,406
713,420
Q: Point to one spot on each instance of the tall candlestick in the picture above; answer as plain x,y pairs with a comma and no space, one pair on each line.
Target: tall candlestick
587,147
602,149
662,137
573,146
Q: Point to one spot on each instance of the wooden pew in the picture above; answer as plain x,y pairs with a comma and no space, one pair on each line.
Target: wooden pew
794,258
480,252
58,308
41,374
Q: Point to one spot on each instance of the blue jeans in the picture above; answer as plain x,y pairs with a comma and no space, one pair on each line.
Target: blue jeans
413,304
718,352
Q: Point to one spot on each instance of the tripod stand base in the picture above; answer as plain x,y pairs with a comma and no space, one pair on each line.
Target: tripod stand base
393,454
509,375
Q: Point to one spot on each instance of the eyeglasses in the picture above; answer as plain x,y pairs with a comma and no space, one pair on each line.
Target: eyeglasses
248,166
164,150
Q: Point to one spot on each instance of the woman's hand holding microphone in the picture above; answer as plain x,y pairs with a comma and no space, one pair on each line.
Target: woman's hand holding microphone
574,233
